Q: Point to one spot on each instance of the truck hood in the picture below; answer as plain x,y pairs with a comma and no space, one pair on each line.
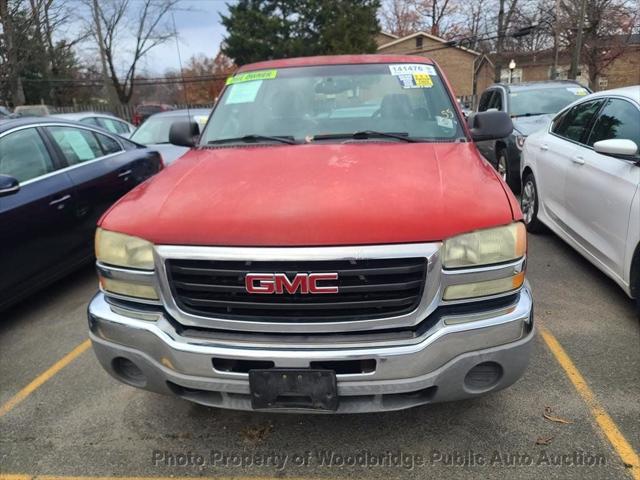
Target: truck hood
316,194
528,125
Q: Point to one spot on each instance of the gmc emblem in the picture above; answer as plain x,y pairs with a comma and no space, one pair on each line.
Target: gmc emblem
268,283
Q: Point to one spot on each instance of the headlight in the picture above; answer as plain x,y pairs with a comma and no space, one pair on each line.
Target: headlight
520,141
485,247
123,250
119,250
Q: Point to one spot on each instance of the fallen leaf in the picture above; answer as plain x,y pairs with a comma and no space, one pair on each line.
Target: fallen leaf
548,414
544,440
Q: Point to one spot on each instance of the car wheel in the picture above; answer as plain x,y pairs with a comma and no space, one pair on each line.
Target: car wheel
507,173
529,204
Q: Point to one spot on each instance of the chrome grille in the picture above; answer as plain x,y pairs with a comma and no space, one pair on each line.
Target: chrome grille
367,289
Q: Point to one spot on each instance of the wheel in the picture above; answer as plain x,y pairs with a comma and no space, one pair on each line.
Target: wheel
507,172
529,204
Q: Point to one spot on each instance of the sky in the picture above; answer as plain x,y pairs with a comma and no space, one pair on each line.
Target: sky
199,32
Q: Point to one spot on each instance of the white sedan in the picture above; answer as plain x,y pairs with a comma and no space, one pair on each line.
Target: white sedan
581,178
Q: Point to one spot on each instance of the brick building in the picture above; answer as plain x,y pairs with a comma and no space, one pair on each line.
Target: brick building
469,72
536,66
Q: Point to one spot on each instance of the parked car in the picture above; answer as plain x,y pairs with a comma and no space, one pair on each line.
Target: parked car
154,132
142,112
304,256
581,178
531,106
4,112
33,111
108,122
56,179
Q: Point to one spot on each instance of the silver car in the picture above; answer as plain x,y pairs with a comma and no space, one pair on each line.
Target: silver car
108,122
154,132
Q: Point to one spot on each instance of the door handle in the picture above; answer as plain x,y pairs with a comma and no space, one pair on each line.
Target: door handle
126,173
59,201
544,148
578,159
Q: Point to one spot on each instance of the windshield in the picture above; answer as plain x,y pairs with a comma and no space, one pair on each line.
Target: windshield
335,101
543,100
156,128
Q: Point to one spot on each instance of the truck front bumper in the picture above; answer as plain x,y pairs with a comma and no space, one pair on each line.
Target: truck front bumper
460,356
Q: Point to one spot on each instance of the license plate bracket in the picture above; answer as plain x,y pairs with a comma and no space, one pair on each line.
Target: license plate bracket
284,388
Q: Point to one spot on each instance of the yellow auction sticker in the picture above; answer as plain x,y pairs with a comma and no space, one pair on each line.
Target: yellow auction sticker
422,80
251,76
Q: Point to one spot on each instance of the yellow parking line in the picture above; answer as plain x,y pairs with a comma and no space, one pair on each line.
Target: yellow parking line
64,477
620,444
40,379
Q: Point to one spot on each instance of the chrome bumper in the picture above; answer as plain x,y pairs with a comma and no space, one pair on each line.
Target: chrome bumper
433,367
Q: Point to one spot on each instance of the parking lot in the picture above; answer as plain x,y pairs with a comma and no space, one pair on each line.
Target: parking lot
573,415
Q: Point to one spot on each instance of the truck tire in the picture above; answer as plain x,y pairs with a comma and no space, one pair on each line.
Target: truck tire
506,171
529,204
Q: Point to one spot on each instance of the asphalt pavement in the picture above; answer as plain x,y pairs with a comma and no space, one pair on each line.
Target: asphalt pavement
575,413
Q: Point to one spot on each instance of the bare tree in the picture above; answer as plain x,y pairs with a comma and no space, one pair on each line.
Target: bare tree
608,25
437,13
402,17
506,13
142,24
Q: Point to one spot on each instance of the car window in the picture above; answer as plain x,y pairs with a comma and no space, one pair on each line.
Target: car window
24,156
156,129
109,145
77,145
575,123
618,119
485,100
112,125
540,101
312,103
89,121
496,101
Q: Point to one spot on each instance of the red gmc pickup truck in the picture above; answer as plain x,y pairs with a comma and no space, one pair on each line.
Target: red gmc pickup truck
332,242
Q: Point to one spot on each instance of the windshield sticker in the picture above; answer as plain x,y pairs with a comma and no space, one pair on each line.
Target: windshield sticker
444,122
410,68
447,113
251,76
243,92
581,92
416,80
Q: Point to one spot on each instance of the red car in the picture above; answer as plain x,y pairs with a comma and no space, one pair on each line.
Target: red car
332,242
144,111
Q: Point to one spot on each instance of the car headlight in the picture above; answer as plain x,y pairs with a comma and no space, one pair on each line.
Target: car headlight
119,250
483,248
520,141
123,250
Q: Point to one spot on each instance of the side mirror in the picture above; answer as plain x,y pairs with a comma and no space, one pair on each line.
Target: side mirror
183,134
616,147
8,185
490,125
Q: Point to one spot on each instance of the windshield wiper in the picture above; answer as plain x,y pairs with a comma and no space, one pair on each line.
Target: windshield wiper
255,138
366,134
529,114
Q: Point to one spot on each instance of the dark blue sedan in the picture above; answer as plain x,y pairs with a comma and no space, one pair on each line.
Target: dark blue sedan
56,179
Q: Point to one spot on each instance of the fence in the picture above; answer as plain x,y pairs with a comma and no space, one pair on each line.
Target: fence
125,112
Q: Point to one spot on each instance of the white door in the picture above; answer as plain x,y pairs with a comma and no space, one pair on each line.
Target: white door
600,188
558,151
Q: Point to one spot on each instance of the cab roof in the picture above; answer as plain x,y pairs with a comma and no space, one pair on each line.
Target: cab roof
333,60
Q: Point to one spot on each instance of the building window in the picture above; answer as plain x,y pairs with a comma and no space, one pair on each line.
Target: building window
419,41
515,75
